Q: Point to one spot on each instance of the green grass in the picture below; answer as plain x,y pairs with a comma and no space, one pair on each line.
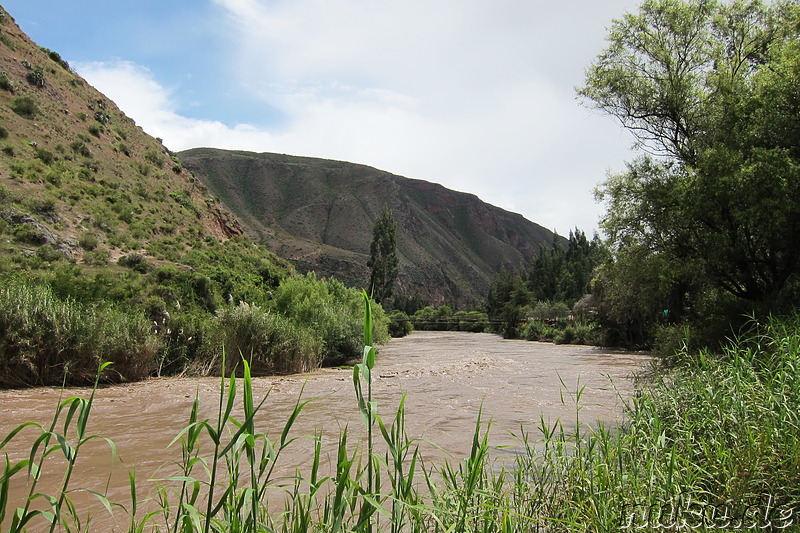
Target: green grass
713,444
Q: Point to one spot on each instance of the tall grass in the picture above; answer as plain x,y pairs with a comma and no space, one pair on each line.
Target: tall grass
712,445
272,343
45,340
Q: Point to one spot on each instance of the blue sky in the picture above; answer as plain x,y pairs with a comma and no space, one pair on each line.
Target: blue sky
477,95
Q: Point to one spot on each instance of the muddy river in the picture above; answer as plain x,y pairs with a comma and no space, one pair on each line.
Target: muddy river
447,378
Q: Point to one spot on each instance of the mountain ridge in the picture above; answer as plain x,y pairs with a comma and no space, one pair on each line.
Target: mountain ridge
319,214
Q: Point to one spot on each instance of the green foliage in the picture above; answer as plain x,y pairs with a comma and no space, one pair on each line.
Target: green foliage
710,92
383,256
154,158
97,257
55,56
41,206
45,156
332,310
25,106
443,318
556,280
46,340
399,324
270,343
88,241
136,262
36,77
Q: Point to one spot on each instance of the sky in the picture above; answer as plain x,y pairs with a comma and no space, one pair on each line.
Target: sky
477,95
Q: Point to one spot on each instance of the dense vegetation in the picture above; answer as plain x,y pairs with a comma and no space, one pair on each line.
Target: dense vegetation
542,301
703,226
702,233
61,321
714,446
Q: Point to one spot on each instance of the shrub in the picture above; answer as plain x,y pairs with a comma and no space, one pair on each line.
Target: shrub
42,206
88,241
97,257
45,156
136,262
46,340
154,158
55,56
270,343
30,234
49,254
333,311
399,324
80,148
102,117
5,83
95,129
471,321
36,77
24,106
3,133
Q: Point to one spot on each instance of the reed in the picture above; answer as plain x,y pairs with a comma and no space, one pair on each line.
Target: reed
713,444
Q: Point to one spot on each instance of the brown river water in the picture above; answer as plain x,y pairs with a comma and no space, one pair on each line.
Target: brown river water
447,378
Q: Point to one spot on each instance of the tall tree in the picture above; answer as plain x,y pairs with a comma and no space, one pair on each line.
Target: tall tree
711,92
383,256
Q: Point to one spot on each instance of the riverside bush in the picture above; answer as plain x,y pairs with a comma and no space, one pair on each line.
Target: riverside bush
332,310
400,324
45,340
270,343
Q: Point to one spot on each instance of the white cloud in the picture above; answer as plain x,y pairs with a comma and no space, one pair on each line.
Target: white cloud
475,95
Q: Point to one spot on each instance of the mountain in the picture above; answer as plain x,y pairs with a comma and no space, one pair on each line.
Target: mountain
320,213
80,177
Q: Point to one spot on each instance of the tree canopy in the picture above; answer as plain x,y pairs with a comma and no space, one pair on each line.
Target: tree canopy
711,92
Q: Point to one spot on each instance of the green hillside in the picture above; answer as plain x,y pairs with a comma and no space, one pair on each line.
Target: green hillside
111,251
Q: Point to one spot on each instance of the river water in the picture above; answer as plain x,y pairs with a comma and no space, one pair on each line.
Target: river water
447,377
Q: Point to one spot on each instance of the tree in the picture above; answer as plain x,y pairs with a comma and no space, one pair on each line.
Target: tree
383,257
711,92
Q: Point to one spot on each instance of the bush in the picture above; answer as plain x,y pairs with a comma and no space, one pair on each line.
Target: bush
136,262
45,340
36,77
399,324
24,106
333,311
97,257
272,344
45,156
88,241
5,83
472,321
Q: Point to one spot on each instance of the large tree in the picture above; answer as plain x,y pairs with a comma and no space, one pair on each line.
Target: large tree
711,92
383,257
